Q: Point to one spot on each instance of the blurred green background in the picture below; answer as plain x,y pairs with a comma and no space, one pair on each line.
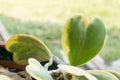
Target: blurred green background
45,19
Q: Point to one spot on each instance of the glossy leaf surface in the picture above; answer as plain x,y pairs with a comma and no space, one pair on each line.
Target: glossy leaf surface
37,71
24,46
82,40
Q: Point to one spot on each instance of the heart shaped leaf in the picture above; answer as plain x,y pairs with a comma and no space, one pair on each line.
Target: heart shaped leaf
81,40
24,46
37,71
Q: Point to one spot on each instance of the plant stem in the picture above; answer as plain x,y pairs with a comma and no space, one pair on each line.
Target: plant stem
58,75
48,64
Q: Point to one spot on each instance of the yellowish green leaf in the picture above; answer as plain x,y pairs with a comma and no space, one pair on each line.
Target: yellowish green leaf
25,46
37,71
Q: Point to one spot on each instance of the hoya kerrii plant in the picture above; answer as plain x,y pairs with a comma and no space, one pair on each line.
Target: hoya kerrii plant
25,46
82,40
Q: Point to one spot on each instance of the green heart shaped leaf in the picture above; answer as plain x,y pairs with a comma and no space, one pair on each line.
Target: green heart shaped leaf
37,71
3,77
81,40
103,75
77,73
24,46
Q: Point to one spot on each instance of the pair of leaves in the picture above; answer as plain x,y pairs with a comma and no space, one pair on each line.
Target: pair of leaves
37,71
81,40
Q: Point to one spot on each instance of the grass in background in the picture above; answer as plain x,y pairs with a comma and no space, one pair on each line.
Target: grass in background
111,50
49,32
45,19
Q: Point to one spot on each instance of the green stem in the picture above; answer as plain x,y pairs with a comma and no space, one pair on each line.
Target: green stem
49,63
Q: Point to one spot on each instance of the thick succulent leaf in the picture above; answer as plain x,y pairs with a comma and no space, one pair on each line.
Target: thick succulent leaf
77,73
117,74
37,71
103,75
80,39
24,46
3,77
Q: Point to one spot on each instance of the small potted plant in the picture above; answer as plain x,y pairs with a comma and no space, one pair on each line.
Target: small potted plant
82,40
